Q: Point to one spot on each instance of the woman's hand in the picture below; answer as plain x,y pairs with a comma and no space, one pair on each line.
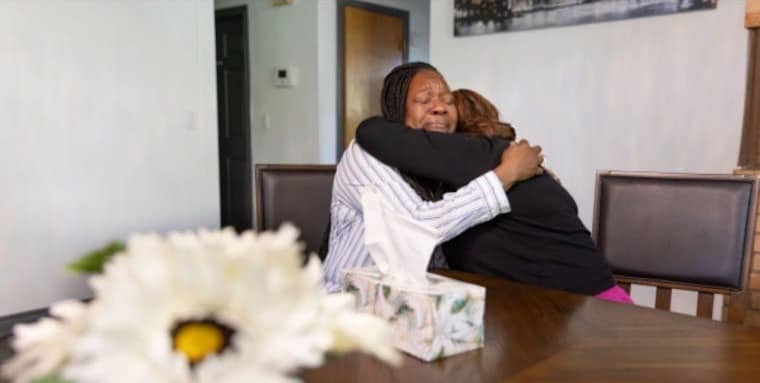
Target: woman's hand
519,162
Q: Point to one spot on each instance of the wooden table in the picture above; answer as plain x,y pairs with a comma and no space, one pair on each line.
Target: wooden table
540,335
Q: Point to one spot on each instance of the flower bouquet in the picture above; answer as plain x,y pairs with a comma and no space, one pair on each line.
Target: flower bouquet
211,306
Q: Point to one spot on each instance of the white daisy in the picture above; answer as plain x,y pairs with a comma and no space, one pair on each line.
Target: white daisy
215,307
43,347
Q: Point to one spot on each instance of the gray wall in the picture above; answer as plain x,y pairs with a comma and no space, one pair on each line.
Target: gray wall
285,35
107,127
659,93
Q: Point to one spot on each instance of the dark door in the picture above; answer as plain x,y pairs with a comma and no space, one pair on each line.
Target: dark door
234,118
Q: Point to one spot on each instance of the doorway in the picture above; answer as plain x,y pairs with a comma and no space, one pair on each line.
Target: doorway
372,40
232,83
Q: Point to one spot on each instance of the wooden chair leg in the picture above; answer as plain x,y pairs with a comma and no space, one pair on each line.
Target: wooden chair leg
735,308
705,305
662,301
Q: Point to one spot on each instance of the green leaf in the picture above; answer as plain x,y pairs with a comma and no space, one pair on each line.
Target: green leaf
481,335
94,261
50,379
403,309
350,288
459,305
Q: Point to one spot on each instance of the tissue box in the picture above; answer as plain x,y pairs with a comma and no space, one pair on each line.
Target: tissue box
441,319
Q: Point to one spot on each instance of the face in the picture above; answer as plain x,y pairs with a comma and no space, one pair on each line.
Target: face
429,103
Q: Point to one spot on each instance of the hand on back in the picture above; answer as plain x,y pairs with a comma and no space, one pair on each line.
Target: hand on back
519,162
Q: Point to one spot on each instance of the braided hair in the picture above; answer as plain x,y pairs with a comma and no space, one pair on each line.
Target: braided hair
393,103
395,88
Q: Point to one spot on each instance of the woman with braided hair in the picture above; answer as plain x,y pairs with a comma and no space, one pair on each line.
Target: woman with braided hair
541,241
474,202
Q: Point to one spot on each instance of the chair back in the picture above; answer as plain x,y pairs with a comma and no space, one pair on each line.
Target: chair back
6,329
685,231
299,194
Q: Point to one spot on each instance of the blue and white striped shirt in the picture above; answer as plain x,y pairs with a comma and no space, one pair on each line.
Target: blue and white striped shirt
479,201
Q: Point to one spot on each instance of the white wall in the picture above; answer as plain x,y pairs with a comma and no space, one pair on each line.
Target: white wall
107,127
285,35
661,93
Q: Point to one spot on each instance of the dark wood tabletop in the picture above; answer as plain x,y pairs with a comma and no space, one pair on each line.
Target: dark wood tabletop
540,335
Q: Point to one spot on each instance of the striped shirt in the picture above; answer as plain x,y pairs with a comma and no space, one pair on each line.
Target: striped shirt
479,201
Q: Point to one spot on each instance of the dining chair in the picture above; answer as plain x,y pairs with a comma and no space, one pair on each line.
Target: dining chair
6,329
299,194
679,231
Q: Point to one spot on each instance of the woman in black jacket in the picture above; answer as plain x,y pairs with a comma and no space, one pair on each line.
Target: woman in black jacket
542,241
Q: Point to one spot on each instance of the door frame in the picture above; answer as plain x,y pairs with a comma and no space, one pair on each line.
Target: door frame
341,5
242,11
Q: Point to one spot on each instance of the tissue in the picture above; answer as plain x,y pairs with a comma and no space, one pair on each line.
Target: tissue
432,316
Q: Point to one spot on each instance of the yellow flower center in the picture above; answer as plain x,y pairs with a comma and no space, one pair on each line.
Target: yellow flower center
196,340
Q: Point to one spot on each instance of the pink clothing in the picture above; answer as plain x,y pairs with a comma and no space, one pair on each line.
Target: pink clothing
615,294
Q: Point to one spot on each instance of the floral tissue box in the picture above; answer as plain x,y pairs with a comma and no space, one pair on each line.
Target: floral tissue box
441,319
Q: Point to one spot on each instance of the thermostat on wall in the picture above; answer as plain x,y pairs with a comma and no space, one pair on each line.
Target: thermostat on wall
285,77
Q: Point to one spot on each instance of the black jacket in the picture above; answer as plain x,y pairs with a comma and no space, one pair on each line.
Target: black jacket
541,241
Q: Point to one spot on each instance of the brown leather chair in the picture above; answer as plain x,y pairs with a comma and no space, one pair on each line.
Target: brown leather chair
684,231
299,194
6,329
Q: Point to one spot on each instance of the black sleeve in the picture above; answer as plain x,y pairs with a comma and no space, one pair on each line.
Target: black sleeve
455,159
